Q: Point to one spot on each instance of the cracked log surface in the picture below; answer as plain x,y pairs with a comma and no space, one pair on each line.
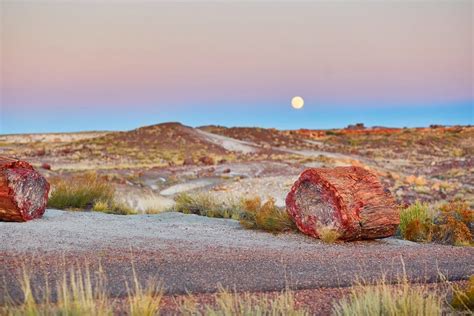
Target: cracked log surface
349,199
23,191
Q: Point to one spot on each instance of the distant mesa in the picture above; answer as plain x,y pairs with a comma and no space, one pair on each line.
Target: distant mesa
357,126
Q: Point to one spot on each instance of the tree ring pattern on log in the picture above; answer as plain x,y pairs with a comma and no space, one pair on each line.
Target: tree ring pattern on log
29,188
315,204
353,196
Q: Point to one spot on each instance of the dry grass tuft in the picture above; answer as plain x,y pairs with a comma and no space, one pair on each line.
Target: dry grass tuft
454,224
228,303
463,299
266,216
77,294
144,301
204,204
415,222
392,300
80,192
328,235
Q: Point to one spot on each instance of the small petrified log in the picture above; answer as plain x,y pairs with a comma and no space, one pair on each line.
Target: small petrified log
23,191
348,199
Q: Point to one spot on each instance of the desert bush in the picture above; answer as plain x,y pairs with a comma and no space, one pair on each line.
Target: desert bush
80,192
454,224
266,216
384,299
416,222
228,303
328,234
463,299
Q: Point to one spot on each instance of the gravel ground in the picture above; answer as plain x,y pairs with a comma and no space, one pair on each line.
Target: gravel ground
194,254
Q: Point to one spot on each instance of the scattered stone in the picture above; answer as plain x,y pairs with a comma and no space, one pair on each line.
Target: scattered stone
46,166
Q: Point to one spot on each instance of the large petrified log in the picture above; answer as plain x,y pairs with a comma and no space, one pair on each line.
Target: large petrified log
23,191
348,199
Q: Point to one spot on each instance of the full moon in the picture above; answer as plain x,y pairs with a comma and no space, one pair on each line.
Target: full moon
297,102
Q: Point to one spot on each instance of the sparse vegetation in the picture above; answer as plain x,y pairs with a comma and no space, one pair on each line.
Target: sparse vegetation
80,192
463,299
402,299
452,224
77,294
87,192
228,303
205,205
416,222
265,216
113,207
328,235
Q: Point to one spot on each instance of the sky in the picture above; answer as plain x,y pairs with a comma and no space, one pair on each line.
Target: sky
117,65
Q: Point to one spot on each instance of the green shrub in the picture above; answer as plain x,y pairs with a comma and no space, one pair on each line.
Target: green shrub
265,216
80,192
416,222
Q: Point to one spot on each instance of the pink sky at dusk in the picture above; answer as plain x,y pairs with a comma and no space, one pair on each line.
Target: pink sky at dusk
202,56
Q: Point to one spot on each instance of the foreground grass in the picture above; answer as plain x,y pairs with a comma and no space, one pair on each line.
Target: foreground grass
228,303
80,292
384,299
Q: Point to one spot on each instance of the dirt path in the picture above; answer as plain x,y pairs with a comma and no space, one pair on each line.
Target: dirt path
192,253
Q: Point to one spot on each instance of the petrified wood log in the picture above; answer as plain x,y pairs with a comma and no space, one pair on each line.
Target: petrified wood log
23,191
348,199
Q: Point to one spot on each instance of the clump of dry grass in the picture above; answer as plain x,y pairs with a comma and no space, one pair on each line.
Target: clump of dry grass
231,303
328,234
382,298
77,294
87,192
266,216
463,299
80,192
415,222
205,205
452,224
113,207
144,301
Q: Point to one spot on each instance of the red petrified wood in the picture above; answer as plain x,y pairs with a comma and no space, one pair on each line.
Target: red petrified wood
23,191
348,199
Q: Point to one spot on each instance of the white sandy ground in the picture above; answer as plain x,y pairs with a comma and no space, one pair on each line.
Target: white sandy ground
65,231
